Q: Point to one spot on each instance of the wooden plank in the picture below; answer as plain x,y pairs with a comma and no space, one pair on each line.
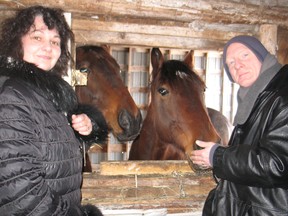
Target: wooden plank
114,147
173,205
97,180
144,167
136,212
134,39
223,11
178,192
199,30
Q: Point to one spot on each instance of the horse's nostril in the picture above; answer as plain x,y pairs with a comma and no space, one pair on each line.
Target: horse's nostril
139,120
131,125
124,120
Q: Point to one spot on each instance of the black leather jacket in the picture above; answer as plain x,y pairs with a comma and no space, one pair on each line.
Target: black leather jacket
254,168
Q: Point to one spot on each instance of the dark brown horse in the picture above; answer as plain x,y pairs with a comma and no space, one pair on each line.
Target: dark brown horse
106,91
177,115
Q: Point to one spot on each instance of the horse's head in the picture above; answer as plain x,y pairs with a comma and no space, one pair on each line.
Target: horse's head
177,101
106,91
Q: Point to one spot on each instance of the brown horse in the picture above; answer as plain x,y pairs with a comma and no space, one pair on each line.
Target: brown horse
177,115
106,91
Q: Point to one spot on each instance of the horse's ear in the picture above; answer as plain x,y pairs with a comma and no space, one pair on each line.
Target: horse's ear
106,47
157,60
189,59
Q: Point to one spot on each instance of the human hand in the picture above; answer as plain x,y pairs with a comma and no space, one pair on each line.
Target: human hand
82,124
201,157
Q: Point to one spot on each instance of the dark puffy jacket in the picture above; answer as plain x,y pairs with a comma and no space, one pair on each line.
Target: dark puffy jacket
254,168
40,157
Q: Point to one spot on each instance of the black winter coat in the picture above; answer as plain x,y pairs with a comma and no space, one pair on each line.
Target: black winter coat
254,168
40,156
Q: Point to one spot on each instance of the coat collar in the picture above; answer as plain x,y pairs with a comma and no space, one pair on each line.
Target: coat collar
50,85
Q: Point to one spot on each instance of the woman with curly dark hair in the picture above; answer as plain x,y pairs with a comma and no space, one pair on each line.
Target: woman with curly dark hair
41,122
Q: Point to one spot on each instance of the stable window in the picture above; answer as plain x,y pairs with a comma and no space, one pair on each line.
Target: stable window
136,71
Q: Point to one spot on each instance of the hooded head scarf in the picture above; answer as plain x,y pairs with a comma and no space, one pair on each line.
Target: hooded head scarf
250,42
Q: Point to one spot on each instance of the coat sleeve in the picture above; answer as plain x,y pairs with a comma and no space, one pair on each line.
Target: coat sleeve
99,132
264,161
23,187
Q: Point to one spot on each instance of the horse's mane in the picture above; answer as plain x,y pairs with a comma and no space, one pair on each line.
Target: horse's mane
103,57
174,71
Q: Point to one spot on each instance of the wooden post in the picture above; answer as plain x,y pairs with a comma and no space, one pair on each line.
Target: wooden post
68,78
282,52
268,36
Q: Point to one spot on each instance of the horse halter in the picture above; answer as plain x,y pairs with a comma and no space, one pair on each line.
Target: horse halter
80,77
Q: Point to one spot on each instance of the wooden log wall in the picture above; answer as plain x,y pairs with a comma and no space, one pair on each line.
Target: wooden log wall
182,24
169,185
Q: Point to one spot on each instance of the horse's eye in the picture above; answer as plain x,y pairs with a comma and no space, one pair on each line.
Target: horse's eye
163,91
84,70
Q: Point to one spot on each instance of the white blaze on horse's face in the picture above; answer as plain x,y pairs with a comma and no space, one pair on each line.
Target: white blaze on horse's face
181,74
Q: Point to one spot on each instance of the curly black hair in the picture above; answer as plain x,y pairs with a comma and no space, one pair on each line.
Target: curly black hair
14,28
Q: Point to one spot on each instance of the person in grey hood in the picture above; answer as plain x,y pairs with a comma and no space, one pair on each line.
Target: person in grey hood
252,172
42,125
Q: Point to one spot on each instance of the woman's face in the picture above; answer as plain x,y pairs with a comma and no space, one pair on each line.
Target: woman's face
243,64
41,46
